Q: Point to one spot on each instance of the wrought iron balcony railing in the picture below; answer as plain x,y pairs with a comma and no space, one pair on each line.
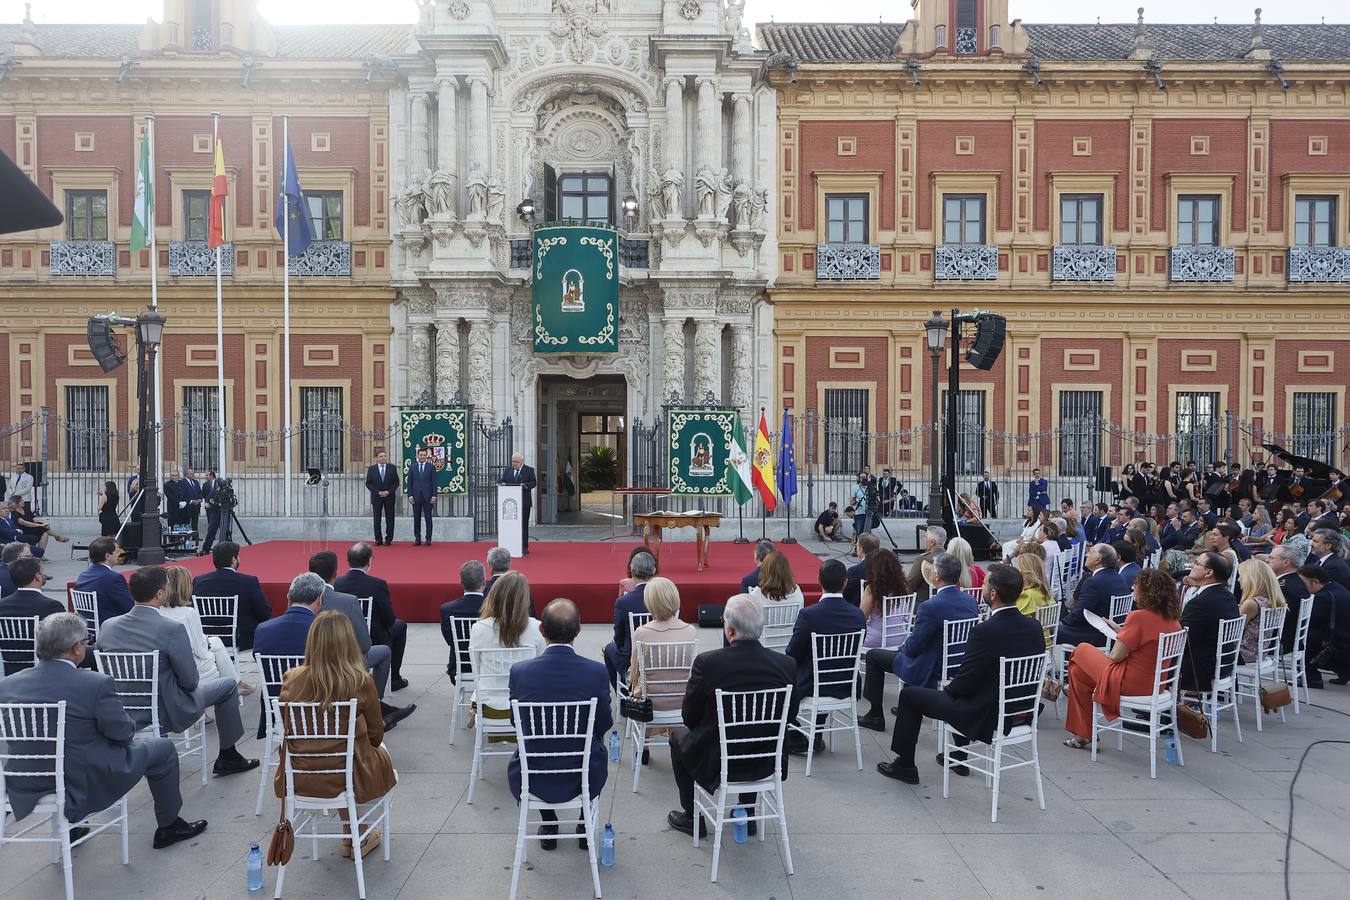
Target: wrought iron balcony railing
848,262
193,259
1194,263
634,252
1319,265
330,259
83,258
1083,262
966,262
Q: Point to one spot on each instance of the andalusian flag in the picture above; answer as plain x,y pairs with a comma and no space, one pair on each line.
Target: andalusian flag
738,465
567,483
143,207
762,462
220,189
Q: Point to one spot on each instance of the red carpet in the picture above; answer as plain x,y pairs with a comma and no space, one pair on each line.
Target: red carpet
422,578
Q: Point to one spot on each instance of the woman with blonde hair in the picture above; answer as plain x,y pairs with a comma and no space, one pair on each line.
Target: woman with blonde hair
972,576
212,658
663,602
505,621
335,671
776,581
1260,590
1035,587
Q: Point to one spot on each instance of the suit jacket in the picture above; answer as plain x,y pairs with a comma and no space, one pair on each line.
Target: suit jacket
974,687
1038,493
987,494
1091,525
23,604
103,763
347,605
375,484
114,597
853,586
915,580
1200,616
1094,592
363,584
750,581
253,606
173,492
1338,569
740,666
559,675
191,491
469,606
209,497
144,629
1128,573
1295,594
919,661
1182,538
6,581
832,615
286,634
629,602
421,481
1336,601
525,478
23,487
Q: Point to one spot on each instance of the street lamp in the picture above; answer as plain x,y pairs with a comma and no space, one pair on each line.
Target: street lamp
630,210
149,333
935,330
526,210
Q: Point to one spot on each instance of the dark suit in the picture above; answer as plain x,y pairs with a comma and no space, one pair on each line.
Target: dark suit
173,494
286,634
1200,616
1038,494
853,585
919,659
1128,573
469,606
191,493
1335,627
375,483
114,597
1337,569
1094,592
524,477
253,606
750,581
559,675
421,487
619,652
1295,593
695,751
832,615
385,627
969,702
1091,525
23,604
986,492
213,513
1182,538
6,581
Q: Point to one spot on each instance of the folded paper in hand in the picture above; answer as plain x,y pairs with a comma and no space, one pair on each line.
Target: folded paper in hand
1097,622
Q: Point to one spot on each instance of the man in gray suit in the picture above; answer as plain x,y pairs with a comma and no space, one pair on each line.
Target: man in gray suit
103,761
378,656
182,696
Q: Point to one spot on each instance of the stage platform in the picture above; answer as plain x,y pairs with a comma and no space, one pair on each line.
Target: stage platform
422,578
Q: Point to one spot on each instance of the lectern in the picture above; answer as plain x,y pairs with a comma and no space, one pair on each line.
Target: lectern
511,518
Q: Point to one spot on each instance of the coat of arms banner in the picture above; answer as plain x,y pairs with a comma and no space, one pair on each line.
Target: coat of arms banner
575,297
699,440
443,431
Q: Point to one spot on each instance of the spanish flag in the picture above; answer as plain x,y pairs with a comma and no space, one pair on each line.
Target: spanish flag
220,188
761,470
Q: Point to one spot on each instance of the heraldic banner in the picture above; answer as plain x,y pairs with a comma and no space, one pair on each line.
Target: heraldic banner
699,440
444,432
575,289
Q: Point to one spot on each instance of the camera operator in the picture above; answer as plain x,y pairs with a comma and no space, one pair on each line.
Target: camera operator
864,503
213,492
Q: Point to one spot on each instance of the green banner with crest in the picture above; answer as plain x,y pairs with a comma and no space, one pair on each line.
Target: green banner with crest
443,431
575,302
699,440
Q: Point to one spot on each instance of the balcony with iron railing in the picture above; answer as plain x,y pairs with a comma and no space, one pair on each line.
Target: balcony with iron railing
1083,263
1202,264
194,259
97,258
848,262
965,262
330,259
1319,265
634,253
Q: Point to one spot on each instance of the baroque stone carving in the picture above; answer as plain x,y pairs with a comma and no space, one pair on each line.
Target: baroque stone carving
707,347
447,359
439,193
496,201
480,363
759,203
412,203
459,9
419,358
673,364
741,390
476,190
705,192
577,30
691,9
672,194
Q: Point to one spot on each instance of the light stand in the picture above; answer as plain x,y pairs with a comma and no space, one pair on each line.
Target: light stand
149,333
935,331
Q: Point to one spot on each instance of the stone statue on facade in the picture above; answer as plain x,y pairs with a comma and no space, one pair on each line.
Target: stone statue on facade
426,16
440,193
412,204
759,202
723,195
705,192
476,189
740,204
672,193
496,201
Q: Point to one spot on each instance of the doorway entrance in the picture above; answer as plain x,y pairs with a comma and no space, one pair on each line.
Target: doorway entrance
583,447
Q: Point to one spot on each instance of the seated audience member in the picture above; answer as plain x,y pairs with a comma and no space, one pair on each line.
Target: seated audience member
1284,561
1036,590
30,528
385,627
1220,539
762,549
104,760
1206,603
863,548
619,652
663,601
1129,668
108,587
969,702
288,633
884,578
743,665
469,605
9,554
1260,590
628,582
1183,533
227,581
972,576
1259,537
213,660
505,622
335,671
777,584
1128,568
934,539
1099,583
1329,627
828,525
831,615
559,675
183,696
499,563
25,601
1048,538
919,659
1329,551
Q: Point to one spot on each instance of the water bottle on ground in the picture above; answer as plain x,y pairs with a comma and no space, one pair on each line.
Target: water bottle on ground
607,846
740,829
1170,750
615,746
254,868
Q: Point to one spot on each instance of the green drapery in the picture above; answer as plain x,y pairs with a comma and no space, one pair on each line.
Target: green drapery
575,302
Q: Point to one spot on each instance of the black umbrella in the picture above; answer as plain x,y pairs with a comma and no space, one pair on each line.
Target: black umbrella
25,207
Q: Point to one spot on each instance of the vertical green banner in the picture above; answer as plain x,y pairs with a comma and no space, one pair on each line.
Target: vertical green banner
575,296
443,431
699,442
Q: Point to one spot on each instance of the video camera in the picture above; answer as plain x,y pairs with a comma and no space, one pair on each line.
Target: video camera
225,496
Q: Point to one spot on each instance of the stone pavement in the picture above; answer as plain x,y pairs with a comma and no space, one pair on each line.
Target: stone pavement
1214,828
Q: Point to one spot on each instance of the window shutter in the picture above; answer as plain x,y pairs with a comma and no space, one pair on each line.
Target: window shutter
550,194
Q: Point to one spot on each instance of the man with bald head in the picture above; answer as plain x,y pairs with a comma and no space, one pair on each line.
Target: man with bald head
523,475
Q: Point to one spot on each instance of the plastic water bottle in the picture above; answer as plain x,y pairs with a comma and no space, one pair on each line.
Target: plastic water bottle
607,846
740,829
254,868
615,746
1170,750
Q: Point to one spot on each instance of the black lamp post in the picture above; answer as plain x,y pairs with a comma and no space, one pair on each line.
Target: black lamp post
935,330
149,333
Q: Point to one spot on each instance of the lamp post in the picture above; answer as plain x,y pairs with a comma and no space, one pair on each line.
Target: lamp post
149,333
935,330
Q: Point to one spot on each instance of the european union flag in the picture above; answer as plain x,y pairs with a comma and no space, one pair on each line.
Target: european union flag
291,203
787,464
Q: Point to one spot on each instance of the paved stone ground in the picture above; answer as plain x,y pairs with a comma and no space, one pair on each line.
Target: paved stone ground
1213,828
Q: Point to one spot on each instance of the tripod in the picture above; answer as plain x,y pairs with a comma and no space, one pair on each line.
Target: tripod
229,520
874,502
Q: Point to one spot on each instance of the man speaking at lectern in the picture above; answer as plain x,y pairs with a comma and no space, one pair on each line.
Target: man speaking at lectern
523,475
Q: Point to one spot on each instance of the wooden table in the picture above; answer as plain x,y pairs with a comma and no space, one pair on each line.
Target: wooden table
652,523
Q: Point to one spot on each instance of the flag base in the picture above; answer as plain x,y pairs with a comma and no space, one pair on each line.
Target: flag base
788,540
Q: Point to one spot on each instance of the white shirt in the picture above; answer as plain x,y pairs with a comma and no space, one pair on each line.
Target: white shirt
201,648
484,636
795,596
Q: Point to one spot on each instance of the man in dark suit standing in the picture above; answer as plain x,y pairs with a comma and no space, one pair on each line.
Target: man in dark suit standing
422,493
25,602
743,665
969,702
986,492
1038,492
468,606
227,581
213,512
175,505
114,599
832,615
192,495
1330,625
1206,603
385,627
382,482
523,475
619,652
1100,582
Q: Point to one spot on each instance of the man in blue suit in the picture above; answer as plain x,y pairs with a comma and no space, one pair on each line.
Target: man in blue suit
1038,492
1100,582
191,495
1093,517
468,606
1128,569
9,555
619,652
421,488
559,675
114,599
287,634
762,549
919,659
832,615
227,581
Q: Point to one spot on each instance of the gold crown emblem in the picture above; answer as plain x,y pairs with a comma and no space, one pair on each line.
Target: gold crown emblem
434,440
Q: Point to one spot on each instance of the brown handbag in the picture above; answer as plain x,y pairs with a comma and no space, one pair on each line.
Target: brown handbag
1275,697
1192,722
283,842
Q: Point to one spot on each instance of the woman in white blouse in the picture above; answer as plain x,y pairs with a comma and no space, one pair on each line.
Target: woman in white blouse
505,622
776,582
212,658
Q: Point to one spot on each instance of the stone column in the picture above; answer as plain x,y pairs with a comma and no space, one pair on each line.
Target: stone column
673,364
445,136
480,364
741,139
447,359
707,359
419,360
480,147
709,124
398,134
674,136
421,141
742,389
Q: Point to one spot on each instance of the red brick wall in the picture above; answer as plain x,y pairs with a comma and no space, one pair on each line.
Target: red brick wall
1229,361
173,149
351,366
56,362
1289,155
1048,368
937,152
8,137
1172,155
820,153
1287,373
1054,153
875,368
112,147
349,143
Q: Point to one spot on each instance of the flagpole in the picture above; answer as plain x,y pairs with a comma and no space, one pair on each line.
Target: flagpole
286,309
220,323
740,525
154,295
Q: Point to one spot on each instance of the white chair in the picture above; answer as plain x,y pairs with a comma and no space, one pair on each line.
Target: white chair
1121,604
33,735
1161,703
750,729
492,672
273,671
561,734
779,620
1222,692
1154,559
367,604
635,621
897,618
307,727
136,682
220,618
1294,664
955,633
977,593
663,672
86,604
1048,617
18,643
835,662
460,628
1019,694
1266,667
